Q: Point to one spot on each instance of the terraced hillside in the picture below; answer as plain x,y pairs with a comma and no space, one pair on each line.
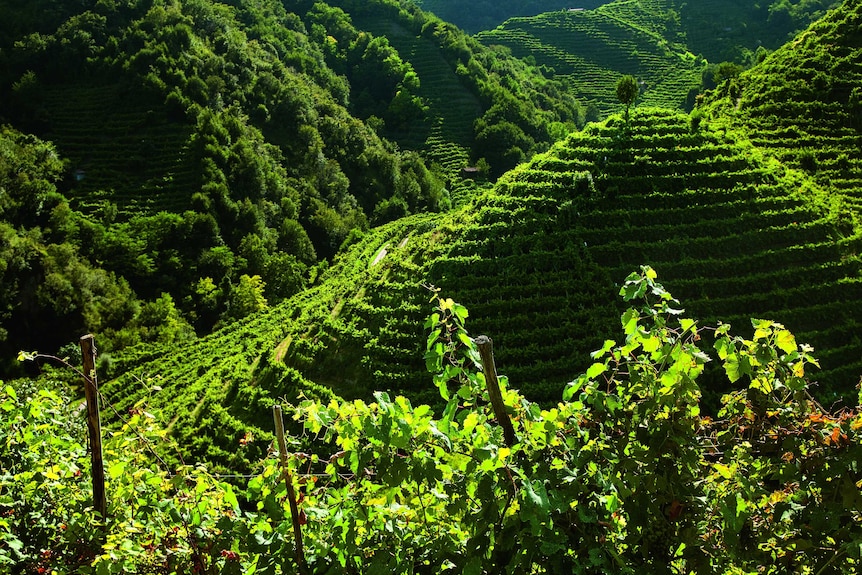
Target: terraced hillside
804,103
592,49
732,231
445,135
538,261
121,149
488,14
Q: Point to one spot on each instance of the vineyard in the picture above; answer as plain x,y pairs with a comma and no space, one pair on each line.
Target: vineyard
592,49
632,432
121,150
736,233
805,117
624,475
485,14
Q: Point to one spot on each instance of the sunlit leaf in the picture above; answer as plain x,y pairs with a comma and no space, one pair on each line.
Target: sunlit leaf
596,369
785,341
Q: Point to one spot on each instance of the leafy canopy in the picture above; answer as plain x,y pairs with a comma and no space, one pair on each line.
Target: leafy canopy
622,476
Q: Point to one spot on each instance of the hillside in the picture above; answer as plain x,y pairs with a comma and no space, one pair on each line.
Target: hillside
733,231
593,49
328,269
725,30
480,106
734,30
537,261
488,14
216,155
804,103
666,44
734,228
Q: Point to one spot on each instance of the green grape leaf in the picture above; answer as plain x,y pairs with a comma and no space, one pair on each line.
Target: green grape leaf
596,369
460,312
629,321
536,494
785,341
606,347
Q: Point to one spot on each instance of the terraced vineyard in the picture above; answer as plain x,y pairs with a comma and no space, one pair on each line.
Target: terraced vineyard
592,49
486,14
444,136
804,104
732,234
538,262
121,150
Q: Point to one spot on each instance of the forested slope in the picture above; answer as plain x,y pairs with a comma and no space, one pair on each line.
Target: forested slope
207,159
480,105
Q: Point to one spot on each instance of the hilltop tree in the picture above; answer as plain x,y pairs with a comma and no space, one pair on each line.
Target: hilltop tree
627,91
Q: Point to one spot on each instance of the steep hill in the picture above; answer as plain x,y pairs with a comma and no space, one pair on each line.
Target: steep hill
733,231
479,105
664,43
537,261
717,30
592,49
488,14
804,103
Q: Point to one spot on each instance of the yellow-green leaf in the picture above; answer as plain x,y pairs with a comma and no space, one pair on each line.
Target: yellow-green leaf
724,470
595,370
785,341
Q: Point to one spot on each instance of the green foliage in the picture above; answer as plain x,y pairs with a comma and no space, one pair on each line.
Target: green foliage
464,88
247,297
627,91
29,170
157,521
191,127
625,475
592,49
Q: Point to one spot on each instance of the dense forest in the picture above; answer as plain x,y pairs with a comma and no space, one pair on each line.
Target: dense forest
252,202
173,167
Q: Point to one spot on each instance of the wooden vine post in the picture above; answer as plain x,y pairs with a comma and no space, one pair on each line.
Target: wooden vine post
288,481
486,351
94,424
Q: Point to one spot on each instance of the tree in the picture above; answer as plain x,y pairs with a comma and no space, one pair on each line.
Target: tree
247,297
627,91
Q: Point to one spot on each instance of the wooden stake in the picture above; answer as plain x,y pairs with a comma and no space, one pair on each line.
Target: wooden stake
288,481
94,424
486,351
